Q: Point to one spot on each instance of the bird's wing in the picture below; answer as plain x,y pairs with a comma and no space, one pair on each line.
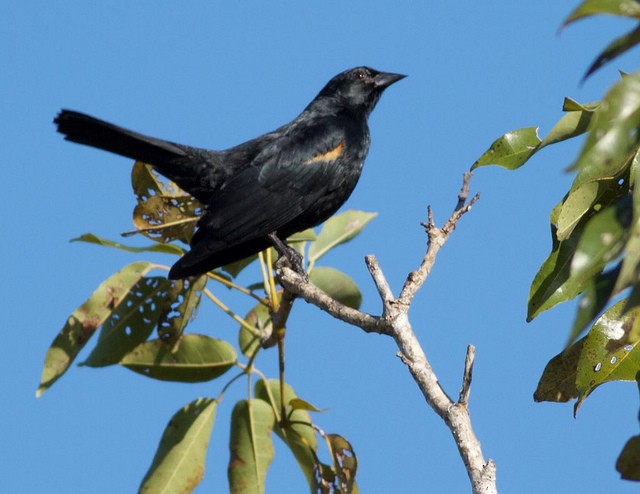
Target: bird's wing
283,181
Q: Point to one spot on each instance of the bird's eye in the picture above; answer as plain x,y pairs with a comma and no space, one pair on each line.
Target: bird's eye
360,75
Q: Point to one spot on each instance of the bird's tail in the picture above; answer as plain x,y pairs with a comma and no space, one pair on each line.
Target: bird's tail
84,129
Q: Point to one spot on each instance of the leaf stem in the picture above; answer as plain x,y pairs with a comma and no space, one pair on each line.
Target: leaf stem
230,313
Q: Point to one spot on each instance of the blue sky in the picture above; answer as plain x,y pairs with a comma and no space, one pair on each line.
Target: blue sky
214,74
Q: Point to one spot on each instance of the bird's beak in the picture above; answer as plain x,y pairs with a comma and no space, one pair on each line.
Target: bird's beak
385,79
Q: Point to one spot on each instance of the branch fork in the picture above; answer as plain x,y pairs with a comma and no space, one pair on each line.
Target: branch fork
394,322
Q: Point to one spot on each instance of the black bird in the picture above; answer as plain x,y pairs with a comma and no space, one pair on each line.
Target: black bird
267,188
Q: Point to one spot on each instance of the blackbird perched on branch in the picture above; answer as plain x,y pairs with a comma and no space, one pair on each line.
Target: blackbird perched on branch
265,189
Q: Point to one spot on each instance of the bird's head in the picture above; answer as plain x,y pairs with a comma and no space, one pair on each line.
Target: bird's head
358,88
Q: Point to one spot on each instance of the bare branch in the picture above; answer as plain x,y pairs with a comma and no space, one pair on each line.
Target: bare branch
386,295
468,374
395,323
436,239
299,286
464,191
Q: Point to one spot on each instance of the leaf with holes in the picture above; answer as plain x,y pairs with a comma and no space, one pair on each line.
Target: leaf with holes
341,476
199,358
179,462
179,308
337,230
251,446
558,380
86,319
146,182
130,323
611,351
165,219
164,211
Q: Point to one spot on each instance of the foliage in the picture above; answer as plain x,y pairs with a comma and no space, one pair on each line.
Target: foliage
595,233
130,304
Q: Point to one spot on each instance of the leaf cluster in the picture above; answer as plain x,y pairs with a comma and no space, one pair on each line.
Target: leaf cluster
595,233
140,323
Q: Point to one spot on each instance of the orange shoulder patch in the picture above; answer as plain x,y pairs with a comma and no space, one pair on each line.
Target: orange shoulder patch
330,155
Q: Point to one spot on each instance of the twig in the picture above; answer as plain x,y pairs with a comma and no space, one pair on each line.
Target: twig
468,374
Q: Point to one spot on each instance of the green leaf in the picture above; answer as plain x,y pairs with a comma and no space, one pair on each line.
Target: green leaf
552,283
558,380
613,135
574,123
235,268
251,446
199,358
512,150
130,323
337,230
626,8
628,463
578,203
602,239
179,307
298,433
555,282
616,48
260,318
630,271
571,105
179,463
303,236
86,319
611,351
597,293
337,285
162,248
300,404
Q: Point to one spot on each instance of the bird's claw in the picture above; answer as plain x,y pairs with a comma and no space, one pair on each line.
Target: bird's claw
288,256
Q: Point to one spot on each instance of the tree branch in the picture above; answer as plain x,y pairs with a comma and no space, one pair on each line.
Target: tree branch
436,238
296,284
394,322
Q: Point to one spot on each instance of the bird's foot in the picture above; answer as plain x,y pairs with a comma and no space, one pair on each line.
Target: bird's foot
288,255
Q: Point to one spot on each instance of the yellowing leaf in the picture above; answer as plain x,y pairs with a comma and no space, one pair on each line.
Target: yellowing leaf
251,446
86,319
179,463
